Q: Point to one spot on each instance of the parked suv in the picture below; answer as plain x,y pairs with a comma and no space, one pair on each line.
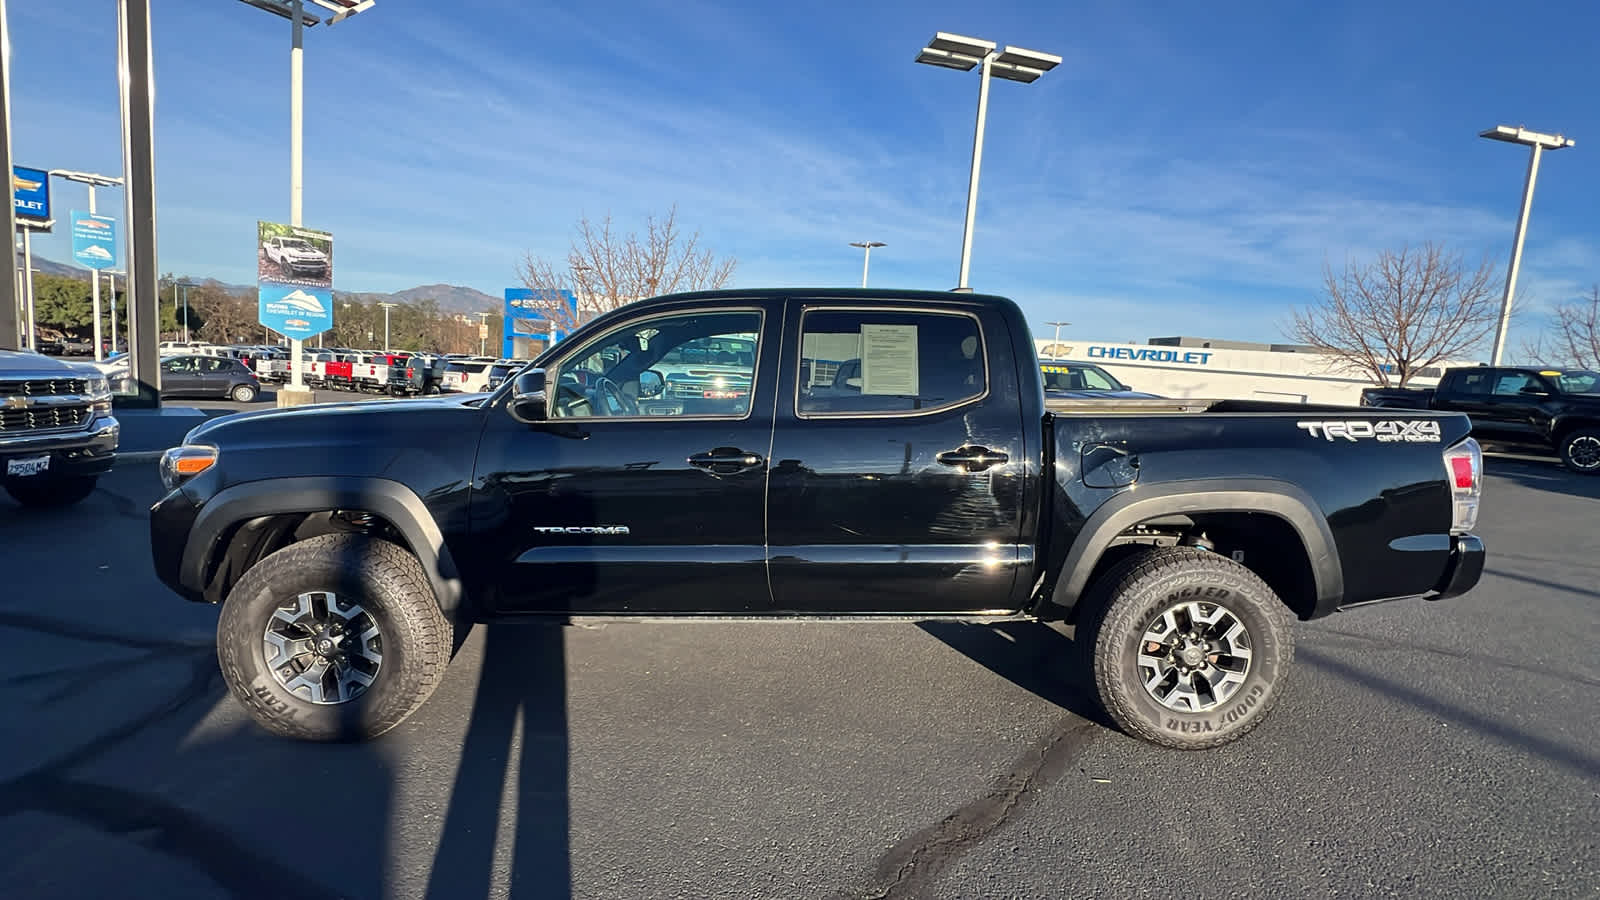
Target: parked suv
195,375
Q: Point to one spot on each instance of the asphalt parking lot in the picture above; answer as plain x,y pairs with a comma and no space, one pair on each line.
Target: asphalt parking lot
1443,749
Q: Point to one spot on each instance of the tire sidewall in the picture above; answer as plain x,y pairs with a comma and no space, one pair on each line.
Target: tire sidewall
1566,450
1123,632
245,389
242,653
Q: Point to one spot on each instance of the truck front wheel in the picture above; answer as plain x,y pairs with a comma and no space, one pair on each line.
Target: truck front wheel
334,638
1188,648
1580,451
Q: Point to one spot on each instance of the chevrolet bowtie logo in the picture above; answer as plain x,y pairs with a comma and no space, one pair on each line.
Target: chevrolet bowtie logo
18,403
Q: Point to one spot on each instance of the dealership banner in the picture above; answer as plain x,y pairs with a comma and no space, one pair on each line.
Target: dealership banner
94,240
294,278
30,191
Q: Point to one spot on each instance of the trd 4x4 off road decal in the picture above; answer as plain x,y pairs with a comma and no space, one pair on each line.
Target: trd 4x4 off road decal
1422,431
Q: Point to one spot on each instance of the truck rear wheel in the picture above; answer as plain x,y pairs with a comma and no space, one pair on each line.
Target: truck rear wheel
1188,648
1580,451
335,638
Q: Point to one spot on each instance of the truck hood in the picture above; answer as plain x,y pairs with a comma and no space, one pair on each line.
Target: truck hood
364,421
14,363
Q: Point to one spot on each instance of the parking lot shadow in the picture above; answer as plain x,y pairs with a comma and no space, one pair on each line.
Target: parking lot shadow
523,680
1032,655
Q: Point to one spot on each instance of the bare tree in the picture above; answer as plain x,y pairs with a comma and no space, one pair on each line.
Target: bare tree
605,269
1406,310
1577,336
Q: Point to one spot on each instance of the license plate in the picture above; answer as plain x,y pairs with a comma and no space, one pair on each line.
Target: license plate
31,465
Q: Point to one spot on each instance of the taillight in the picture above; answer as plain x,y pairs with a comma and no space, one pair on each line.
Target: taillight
1463,466
409,373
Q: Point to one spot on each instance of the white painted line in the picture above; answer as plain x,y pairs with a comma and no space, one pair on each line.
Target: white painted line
1523,457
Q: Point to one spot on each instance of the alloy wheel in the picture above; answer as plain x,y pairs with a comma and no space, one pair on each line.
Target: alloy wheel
1193,656
323,649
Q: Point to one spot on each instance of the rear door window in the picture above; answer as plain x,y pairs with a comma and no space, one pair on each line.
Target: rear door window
876,362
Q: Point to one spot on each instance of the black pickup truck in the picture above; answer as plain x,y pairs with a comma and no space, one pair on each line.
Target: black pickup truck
1180,536
1555,410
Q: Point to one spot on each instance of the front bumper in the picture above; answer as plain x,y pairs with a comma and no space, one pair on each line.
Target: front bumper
89,451
1464,569
171,519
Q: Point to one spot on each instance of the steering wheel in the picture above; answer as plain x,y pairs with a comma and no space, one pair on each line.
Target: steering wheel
614,397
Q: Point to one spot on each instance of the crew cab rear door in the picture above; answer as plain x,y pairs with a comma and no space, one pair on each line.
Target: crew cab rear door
896,479
639,494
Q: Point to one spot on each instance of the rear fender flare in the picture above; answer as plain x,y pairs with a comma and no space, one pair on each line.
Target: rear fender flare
1231,495
389,499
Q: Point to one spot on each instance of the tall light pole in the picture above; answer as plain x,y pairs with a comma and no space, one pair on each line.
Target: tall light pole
483,333
1055,345
386,307
953,51
1539,143
93,181
299,19
866,256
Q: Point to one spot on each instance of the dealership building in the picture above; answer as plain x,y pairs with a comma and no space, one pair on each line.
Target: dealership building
1218,369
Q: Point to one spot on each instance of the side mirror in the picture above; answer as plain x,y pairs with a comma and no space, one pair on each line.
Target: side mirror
528,404
651,384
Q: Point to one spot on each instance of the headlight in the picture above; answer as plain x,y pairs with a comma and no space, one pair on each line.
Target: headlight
99,390
183,463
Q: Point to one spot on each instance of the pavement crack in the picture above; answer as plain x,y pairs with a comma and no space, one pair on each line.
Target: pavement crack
909,866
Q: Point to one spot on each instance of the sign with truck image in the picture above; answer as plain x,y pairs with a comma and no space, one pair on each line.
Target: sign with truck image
294,279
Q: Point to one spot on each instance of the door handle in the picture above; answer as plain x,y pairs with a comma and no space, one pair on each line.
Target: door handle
973,459
726,460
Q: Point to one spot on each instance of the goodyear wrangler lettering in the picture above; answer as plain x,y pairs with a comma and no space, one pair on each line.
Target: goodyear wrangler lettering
1150,354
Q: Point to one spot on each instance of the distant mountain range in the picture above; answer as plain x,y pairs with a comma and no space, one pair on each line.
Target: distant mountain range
452,298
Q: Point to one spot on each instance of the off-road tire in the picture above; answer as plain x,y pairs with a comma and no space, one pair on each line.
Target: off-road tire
1138,589
242,393
432,391
389,583
1569,442
49,491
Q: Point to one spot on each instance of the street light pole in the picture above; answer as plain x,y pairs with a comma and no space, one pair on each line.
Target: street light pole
93,181
977,166
954,51
1055,345
386,307
299,19
483,333
866,257
1539,143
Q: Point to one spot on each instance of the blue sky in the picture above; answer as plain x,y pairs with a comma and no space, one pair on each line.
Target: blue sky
1187,169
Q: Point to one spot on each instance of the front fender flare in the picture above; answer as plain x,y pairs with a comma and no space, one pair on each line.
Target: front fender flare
1287,501
389,499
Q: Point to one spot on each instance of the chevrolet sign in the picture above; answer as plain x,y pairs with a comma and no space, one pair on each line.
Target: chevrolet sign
31,193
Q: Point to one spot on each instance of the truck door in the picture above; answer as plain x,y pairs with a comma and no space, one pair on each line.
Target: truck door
1497,405
635,497
896,478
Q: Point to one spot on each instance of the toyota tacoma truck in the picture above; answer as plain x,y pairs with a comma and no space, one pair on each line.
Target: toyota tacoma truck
1180,537
57,434
1553,410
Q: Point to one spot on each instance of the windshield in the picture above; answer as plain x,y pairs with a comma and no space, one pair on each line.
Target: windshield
1578,381
1078,377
